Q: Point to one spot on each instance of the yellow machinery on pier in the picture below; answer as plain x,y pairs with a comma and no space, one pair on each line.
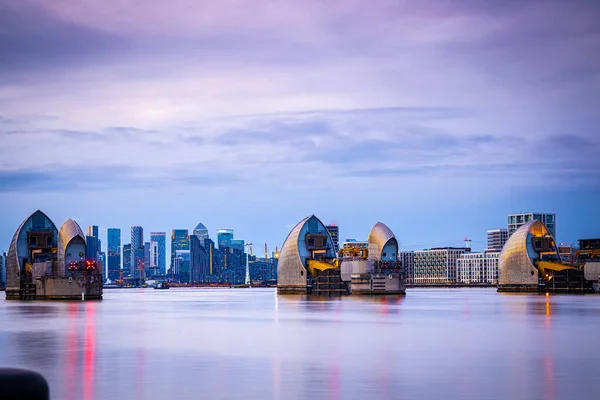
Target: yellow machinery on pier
315,266
547,268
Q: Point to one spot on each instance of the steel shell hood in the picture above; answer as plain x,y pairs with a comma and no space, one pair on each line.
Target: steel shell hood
69,232
13,262
516,264
380,237
291,272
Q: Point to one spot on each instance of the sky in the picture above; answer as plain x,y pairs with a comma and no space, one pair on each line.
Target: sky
435,117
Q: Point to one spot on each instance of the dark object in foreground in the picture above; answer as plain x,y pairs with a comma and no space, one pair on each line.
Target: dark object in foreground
20,384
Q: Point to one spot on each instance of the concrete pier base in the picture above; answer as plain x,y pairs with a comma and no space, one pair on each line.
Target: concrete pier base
518,288
291,289
377,284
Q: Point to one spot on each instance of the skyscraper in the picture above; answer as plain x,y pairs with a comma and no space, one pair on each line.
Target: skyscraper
114,253
237,244
159,238
180,240
92,242
155,271
137,250
3,269
199,260
334,232
224,237
496,239
515,221
147,259
201,232
101,264
181,266
127,259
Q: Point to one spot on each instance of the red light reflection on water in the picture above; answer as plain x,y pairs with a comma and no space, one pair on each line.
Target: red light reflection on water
89,351
389,304
71,352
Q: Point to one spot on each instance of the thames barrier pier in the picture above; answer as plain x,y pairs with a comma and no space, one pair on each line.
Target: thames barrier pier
45,263
529,262
308,263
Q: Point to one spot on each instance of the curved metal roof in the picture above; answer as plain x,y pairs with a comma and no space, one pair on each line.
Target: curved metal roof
290,267
68,231
13,268
379,236
515,263
290,263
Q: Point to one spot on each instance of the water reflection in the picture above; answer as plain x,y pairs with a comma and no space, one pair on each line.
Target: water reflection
71,352
254,344
34,310
89,351
36,346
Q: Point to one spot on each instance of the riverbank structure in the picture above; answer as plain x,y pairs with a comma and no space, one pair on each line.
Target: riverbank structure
530,262
308,263
45,263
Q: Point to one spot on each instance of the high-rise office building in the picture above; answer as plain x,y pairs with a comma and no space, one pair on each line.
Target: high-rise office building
137,251
114,253
224,237
237,244
334,232
201,232
3,269
101,264
127,260
213,262
147,259
92,242
515,221
496,239
180,240
140,271
438,265
160,239
478,267
181,266
199,260
408,266
234,265
154,270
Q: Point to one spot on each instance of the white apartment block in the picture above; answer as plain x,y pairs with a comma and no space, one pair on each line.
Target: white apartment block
436,266
478,268
496,238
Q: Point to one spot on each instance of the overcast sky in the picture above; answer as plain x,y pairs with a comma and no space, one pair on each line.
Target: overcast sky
437,118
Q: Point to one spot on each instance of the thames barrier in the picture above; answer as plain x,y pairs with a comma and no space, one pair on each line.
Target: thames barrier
45,263
529,262
308,263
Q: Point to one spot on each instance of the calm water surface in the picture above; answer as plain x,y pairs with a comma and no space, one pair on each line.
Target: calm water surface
252,344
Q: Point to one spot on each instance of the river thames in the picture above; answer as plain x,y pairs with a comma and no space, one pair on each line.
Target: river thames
252,344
